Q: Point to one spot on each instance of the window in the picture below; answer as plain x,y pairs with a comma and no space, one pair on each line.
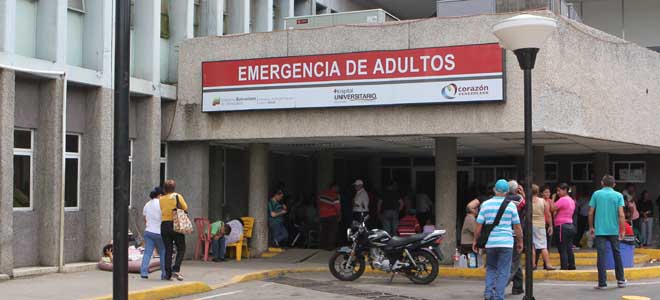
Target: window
551,172
23,150
163,163
197,18
132,18
629,171
581,171
130,170
225,18
77,5
72,172
164,19
490,174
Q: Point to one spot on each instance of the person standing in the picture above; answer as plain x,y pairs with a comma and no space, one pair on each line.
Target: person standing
467,231
329,215
389,207
499,247
152,218
276,211
646,211
630,194
423,207
540,217
169,202
516,195
547,196
360,201
564,227
607,226
583,219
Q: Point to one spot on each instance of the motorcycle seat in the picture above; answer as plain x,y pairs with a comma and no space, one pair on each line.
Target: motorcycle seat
397,241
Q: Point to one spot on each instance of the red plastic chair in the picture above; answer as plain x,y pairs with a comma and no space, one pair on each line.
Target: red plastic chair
203,236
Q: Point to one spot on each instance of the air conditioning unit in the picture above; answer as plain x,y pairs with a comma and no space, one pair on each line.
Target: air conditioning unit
371,16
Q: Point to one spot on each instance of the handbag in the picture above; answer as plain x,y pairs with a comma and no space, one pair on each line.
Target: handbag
487,228
180,219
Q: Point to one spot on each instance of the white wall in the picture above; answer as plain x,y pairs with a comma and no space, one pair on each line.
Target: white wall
639,22
26,28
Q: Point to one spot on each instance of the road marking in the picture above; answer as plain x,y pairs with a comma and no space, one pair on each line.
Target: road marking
267,284
220,295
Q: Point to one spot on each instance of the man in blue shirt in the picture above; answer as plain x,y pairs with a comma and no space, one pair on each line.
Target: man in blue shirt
607,206
499,247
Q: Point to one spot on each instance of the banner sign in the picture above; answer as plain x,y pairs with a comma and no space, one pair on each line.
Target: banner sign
415,76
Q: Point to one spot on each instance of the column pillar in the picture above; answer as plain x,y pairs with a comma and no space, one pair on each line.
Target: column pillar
325,170
146,158
47,175
539,165
181,13
600,166
8,26
375,173
146,38
285,10
188,165
7,100
263,17
211,21
258,196
445,190
96,171
239,16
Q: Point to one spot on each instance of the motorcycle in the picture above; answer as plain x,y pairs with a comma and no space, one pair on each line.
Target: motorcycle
413,256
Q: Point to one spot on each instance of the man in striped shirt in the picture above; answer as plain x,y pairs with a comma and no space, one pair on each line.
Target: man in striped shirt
499,248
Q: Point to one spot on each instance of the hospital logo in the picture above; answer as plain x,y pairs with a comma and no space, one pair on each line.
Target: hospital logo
216,101
449,91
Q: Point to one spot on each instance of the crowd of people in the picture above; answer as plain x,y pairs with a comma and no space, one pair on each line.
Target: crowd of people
557,219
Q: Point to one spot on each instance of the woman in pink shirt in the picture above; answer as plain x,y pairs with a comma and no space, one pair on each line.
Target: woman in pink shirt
564,227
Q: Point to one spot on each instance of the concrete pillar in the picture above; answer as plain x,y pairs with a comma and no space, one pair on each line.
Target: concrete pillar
52,29
258,197
147,40
7,100
211,21
93,40
182,16
239,16
375,173
325,170
445,191
146,157
188,165
600,166
97,171
285,9
48,171
7,26
262,20
305,7
539,165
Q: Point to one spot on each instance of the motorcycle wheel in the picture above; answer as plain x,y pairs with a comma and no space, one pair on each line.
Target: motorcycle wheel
427,268
338,268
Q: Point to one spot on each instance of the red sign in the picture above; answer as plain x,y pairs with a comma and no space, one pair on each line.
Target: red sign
302,21
459,61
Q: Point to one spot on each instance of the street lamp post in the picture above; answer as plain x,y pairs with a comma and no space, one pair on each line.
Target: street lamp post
524,35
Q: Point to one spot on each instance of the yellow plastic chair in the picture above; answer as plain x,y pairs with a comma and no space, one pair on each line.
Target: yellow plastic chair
242,247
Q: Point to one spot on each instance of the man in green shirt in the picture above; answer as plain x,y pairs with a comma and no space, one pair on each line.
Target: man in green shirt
276,211
607,226
218,242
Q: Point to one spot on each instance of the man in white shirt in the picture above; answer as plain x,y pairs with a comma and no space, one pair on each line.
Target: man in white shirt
360,201
152,217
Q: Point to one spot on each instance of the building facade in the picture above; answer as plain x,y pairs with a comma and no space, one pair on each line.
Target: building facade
56,60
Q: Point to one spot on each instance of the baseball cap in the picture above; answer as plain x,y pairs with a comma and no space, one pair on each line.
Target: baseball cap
358,182
501,186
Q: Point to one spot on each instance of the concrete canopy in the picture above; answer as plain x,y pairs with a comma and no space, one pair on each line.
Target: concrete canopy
589,88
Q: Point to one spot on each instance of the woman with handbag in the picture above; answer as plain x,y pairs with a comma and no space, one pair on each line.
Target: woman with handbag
170,204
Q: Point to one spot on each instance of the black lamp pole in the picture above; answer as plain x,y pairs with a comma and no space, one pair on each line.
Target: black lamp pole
121,152
526,58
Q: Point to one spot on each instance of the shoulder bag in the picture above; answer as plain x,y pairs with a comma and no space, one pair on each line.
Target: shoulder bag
180,219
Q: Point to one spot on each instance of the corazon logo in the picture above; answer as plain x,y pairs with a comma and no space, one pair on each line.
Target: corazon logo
216,101
449,91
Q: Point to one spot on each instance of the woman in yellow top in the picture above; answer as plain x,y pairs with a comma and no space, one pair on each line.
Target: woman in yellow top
168,203
540,215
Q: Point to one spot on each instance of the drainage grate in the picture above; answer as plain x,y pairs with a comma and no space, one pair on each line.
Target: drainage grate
338,289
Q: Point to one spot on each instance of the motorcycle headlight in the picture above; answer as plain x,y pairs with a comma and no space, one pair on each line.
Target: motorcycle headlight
348,233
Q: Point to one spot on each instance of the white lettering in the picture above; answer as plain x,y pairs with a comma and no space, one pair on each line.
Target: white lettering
449,60
378,68
307,70
263,72
241,73
403,67
362,67
412,66
296,70
334,70
318,69
286,71
351,67
436,63
390,65
425,62
274,71
253,73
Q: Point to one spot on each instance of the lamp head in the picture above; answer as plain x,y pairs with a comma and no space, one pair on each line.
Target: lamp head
524,35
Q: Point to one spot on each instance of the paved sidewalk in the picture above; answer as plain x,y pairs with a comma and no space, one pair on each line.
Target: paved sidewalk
91,284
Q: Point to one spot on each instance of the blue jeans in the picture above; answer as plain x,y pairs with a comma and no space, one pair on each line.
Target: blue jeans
498,267
150,240
278,233
219,247
390,219
601,247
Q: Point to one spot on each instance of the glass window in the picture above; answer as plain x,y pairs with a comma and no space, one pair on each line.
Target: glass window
23,139
163,172
163,163
581,172
551,172
163,150
71,182
72,143
164,19
197,18
507,173
630,171
77,5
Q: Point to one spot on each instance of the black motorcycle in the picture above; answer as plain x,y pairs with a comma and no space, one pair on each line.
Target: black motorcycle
413,256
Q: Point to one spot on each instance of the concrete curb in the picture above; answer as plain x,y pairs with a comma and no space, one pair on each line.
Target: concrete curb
165,292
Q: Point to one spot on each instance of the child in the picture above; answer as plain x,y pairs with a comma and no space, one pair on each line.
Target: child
107,254
428,227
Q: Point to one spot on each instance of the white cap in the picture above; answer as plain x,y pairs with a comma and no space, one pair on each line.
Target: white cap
358,182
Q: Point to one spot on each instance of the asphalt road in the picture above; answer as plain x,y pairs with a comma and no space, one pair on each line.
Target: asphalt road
322,286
